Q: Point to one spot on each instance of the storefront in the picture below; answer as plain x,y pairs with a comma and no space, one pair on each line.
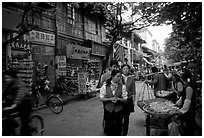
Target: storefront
77,60
84,60
98,52
43,47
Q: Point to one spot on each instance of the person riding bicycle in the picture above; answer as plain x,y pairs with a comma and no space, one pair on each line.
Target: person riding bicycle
15,99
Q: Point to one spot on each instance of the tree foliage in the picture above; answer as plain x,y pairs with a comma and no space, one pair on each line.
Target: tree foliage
186,19
188,33
115,25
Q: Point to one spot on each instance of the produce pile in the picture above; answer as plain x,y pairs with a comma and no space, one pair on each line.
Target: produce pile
161,107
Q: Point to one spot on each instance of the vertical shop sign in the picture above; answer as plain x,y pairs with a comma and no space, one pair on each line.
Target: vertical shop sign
62,66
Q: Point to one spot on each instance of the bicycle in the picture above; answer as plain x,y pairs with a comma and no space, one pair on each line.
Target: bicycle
65,85
36,125
53,101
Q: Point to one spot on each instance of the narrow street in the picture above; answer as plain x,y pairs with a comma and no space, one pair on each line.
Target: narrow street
84,118
63,48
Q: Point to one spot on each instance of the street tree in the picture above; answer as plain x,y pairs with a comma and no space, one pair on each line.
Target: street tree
116,25
186,19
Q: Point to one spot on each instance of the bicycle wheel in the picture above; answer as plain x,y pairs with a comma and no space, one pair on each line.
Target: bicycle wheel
37,125
55,104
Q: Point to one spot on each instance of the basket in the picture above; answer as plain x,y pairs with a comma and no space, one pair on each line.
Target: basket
146,97
156,114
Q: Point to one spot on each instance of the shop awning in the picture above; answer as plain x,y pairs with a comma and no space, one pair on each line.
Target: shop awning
147,61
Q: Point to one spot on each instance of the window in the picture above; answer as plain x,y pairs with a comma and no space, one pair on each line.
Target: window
70,14
96,28
92,26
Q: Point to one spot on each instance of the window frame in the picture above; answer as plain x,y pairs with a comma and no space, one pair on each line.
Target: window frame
70,13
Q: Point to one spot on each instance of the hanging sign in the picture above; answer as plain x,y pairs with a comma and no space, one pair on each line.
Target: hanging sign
22,43
42,37
79,52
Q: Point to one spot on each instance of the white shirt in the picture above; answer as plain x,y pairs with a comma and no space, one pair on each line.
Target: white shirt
125,78
114,87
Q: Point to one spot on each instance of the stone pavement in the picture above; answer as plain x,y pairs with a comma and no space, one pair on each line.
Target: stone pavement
68,98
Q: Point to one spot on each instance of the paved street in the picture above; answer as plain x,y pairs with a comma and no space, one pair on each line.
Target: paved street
84,118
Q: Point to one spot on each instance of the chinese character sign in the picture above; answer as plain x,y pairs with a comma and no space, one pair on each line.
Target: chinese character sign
61,60
42,37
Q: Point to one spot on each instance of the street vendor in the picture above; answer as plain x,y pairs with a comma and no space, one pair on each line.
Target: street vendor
177,87
159,81
187,104
113,94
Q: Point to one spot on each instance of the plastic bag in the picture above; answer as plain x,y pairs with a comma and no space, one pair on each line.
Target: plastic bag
176,128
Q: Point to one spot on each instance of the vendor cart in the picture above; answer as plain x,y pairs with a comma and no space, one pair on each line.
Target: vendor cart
153,120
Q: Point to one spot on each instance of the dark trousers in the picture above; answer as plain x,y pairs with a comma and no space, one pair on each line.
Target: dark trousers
190,124
126,116
25,110
113,123
127,109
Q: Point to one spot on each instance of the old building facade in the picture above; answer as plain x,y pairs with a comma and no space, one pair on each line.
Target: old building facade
67,39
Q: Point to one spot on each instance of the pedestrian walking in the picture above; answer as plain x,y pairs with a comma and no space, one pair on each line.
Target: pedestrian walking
113,65
113,94
107,75
15,98
129,82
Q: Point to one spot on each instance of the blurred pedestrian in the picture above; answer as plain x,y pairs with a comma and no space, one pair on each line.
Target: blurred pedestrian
129,82
113,94
15,98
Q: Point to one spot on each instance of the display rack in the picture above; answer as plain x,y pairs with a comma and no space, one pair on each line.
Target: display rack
72,73
95,69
